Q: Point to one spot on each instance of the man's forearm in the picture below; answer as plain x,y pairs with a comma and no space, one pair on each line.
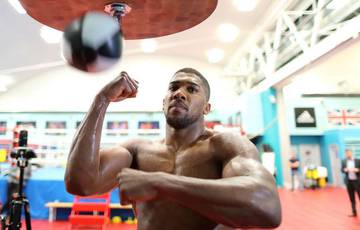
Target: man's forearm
242,201
83,163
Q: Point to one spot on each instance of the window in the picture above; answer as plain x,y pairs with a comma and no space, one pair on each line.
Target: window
55,127
148,125
117,128
2,127
26,124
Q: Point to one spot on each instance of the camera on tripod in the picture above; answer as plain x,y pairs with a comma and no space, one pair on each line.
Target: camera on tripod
22,154
22,151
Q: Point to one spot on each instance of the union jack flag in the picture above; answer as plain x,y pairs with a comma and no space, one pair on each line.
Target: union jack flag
344,117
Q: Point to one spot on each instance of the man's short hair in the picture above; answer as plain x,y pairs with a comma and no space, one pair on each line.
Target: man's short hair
198,74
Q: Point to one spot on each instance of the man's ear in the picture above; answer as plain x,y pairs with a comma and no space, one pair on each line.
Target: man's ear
163,104
207,108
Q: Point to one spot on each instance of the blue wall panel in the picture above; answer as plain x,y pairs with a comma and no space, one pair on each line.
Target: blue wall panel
271,132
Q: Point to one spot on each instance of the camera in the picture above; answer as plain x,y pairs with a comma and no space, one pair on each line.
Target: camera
22,152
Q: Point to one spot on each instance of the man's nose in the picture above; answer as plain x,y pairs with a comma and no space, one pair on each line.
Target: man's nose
179,95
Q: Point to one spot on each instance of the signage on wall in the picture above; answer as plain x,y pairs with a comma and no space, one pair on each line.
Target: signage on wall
344,117
305,117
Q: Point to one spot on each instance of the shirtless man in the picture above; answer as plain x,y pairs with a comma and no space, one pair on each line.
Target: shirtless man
195,178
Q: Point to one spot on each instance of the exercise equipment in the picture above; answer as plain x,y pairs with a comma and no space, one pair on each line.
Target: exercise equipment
22,154
130,221
90,210
91,42
116,220
147,19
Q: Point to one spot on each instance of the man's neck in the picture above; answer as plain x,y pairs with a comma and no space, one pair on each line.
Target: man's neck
181,138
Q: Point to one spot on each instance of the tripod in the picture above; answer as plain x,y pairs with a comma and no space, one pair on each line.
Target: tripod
18,202
22,154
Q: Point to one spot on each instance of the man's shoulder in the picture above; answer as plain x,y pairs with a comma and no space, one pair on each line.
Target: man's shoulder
230,139
234,144
226,136
140,143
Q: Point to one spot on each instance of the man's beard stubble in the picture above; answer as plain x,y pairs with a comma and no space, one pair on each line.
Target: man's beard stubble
181,122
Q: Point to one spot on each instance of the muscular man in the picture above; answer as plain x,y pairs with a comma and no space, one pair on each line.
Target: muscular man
194,178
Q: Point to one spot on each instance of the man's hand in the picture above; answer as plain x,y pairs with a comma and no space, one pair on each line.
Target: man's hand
135,185
120,88
355,170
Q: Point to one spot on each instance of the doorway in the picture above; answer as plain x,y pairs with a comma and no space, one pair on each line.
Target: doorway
309,155
335,160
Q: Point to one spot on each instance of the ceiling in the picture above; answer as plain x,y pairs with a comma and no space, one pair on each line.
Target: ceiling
339,70
25,54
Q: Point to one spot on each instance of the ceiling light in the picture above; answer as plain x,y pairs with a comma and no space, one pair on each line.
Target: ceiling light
148,45
17,6
3,88
215,55
245,5
6,80
227,32
336,4
244,69
50,35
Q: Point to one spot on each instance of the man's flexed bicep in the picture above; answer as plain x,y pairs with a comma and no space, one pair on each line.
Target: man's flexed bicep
247,167
101,177
245,162
261,189
111,162
89,170
256,190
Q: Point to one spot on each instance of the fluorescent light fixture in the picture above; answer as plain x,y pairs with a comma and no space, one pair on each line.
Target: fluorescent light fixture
244,69
215,55
17,6
336,4
5,81
227,32
3,88
148,45
50,35
245,5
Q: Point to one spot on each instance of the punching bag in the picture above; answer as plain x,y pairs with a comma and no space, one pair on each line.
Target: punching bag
93,42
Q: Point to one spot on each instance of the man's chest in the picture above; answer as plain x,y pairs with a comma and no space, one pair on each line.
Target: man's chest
350,164
199,161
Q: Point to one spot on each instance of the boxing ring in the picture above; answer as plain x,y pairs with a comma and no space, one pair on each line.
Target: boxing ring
47,185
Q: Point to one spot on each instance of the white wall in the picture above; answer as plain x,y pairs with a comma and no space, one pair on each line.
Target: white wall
252,113
66,89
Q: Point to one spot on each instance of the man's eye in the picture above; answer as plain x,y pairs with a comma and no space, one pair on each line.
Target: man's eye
173,88
191,89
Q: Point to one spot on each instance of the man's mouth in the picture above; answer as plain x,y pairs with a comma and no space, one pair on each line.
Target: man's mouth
178,106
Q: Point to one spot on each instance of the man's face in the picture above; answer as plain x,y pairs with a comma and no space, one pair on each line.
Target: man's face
348,154
185,101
